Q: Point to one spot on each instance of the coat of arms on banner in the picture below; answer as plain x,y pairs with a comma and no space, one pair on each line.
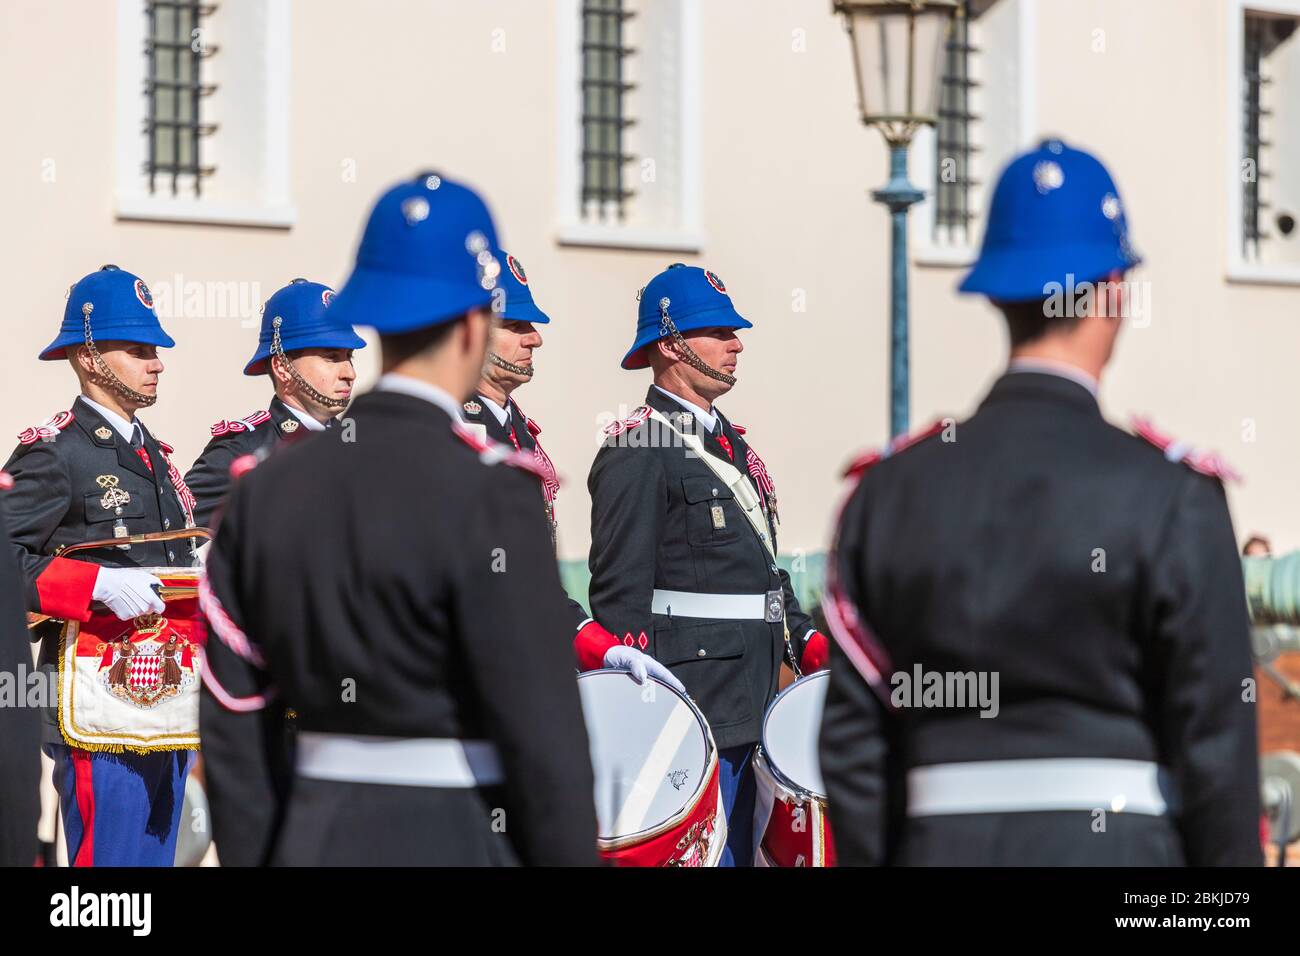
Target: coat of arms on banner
147,663
134,685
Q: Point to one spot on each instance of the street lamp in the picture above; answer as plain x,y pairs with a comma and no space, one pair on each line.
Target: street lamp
897,57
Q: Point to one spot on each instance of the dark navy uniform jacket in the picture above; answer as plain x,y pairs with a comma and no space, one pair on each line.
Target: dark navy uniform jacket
255,434
405,563
653,527
1100,581
20,733
63,473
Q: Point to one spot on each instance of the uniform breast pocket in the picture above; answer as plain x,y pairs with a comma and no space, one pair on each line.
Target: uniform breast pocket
709,660
712,516
101,506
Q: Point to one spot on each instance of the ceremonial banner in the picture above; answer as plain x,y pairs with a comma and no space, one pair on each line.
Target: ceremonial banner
134,685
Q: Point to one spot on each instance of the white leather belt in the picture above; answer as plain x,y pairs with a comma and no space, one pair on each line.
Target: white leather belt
1023,786
769,606
398,761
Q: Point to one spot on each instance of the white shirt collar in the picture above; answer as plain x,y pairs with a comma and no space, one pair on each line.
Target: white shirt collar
310,422
405,385
708,419
1059,369
120,425
501,413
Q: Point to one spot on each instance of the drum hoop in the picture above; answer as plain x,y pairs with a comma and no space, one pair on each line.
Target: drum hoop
766,752
710,764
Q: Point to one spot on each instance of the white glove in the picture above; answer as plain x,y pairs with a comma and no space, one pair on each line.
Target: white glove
128,592
640,666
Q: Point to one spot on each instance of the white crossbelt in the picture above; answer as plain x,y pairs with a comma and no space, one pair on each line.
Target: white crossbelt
695,604
1023,786
398,761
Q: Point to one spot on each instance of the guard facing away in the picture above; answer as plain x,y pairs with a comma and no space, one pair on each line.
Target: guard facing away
308,357
95,472
399,592
683,534
1086,576
493,414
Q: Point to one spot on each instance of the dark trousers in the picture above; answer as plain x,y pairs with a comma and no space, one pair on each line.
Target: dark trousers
736,780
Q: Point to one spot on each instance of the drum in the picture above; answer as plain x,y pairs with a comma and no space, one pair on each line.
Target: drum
657,797
790,824
134,685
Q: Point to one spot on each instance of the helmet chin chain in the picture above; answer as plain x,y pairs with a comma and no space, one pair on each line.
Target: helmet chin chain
668,327
277,349
498,361
105,373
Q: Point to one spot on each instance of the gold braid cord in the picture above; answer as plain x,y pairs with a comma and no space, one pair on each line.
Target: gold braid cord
668,327
104,371
277,349
509,366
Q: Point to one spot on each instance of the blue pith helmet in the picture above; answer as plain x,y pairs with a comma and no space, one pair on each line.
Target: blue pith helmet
691,297
1056,218
515,295
306,322
428,255
119,308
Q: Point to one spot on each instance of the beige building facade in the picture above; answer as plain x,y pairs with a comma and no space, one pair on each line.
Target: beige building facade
746,156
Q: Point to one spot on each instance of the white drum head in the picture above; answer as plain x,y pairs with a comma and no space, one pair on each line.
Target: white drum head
790,731
649,751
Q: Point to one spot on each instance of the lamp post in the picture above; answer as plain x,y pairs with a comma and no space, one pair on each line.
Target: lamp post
897,58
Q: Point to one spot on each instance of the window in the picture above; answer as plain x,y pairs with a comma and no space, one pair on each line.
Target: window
1268,196
952,141
986,115
604,108
174,91
202,92
1263,141
628,135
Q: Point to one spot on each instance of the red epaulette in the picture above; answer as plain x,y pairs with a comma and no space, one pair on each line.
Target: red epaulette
6,481
46,430
1205,462
636,418
491,453
166,449
245,424
739,429
534,429
877,455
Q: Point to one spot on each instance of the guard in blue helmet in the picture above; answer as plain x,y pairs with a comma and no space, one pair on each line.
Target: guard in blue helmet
684,540
95,473
494,415
308,356
1037,565
415,621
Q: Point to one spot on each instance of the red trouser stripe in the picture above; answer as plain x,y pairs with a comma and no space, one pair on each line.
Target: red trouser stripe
86,807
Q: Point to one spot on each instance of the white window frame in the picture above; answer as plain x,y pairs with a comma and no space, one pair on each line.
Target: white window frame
1240,269
132,200
571,229
925,252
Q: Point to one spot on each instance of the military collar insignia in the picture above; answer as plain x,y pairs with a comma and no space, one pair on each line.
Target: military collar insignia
289,426
103,432
473,407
